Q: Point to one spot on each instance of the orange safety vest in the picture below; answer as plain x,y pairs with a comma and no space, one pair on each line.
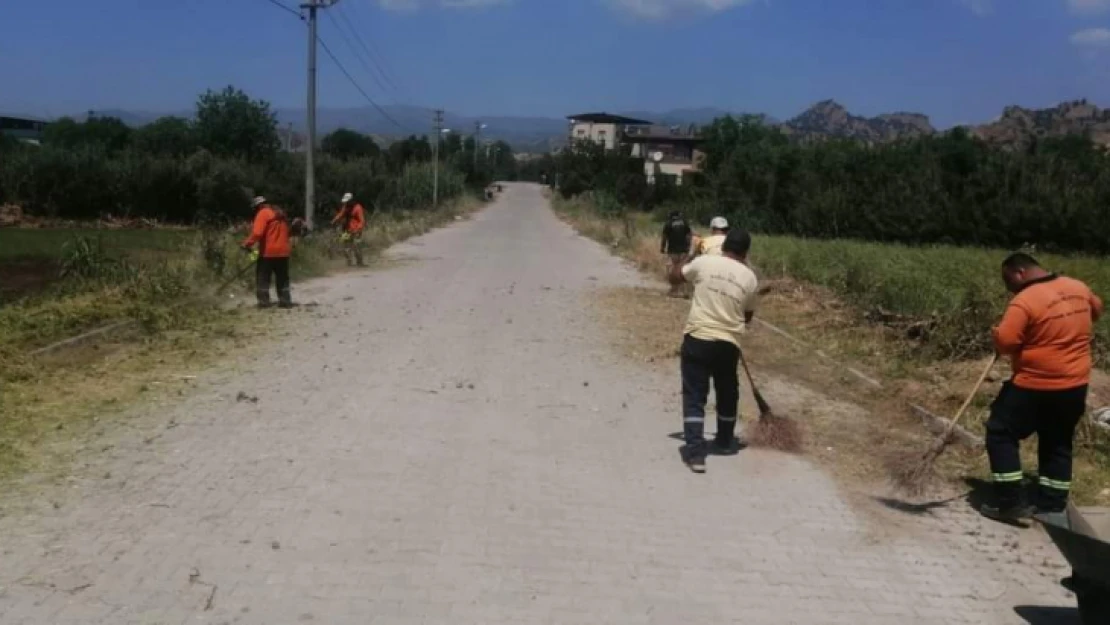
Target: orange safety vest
354,220
271,232
1046,331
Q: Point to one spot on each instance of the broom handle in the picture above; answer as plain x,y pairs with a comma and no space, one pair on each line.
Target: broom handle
971,395
747,371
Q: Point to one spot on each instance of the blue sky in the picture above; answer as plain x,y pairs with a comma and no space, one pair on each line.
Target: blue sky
955,60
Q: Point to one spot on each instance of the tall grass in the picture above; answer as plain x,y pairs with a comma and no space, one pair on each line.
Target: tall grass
946,298
103,281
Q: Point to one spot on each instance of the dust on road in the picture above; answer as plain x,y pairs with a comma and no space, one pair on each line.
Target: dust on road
454,440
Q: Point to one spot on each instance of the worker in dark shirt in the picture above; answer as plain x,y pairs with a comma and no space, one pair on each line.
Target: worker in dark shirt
676,245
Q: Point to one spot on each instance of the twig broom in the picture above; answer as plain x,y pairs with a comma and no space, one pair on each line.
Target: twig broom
772,431
913,474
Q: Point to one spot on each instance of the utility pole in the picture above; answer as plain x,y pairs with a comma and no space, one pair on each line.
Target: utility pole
437,125
477,137
309,157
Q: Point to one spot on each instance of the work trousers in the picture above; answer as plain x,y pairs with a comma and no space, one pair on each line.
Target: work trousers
703,362
276,269
352,247
677,260
1018,413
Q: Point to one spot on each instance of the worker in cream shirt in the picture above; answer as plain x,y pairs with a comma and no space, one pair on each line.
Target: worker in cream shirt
723,304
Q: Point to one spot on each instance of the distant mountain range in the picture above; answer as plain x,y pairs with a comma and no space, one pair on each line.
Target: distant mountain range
1016,126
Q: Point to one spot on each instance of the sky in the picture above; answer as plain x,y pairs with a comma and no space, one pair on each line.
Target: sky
958,61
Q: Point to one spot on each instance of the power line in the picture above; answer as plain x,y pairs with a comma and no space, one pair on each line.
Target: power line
342,68
367,49
358,55
286,8
381,60
354,82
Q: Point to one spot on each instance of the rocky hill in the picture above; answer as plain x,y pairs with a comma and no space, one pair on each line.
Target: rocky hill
1014,128
830,119
1017,125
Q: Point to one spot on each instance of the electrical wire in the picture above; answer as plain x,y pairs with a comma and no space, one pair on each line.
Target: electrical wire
355,51
342,68
286,9
357,86
371,52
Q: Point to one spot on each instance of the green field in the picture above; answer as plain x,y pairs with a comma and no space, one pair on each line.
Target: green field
21,243
947,297
955,294
30,258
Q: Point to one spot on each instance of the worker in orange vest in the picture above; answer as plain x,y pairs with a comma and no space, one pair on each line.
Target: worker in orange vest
270,232
1046,331
351,220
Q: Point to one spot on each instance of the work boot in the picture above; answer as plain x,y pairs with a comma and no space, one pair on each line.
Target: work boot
1054,517
696,464
1007,513
694,459
722,446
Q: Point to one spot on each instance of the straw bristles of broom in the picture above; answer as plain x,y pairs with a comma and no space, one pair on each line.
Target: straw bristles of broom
778,433
772,431
913,474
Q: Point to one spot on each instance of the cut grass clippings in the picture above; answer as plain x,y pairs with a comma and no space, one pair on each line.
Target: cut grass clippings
55,406
832,317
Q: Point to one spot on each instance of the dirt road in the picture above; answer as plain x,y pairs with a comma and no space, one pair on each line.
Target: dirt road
451,440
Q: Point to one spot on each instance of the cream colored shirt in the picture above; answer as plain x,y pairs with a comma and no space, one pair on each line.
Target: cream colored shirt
712,244
724,289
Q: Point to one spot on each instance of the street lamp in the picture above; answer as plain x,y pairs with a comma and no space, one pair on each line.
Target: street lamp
435,166
478,128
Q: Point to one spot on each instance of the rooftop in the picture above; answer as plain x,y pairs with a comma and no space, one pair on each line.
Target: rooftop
607,118
27,118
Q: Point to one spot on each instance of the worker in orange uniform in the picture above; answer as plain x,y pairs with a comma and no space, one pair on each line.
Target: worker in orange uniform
351,220
1046,331
270,232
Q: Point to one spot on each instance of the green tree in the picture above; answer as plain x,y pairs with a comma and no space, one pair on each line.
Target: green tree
409,150
170,136
107,133
229,123
347,144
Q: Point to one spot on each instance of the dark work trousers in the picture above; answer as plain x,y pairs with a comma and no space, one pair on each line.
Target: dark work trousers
703,361
1018,413
278,270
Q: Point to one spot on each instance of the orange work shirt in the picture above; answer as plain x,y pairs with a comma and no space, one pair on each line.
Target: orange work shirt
1046,331
271,232
355,221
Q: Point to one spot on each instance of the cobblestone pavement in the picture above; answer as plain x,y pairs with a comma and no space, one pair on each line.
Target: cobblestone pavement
451,440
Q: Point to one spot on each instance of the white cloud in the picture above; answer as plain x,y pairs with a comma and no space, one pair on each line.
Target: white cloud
1092,38
659,9
412,5
1088,7
979,7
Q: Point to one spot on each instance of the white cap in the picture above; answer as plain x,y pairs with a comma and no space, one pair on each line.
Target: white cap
257,201
718,223
347,197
